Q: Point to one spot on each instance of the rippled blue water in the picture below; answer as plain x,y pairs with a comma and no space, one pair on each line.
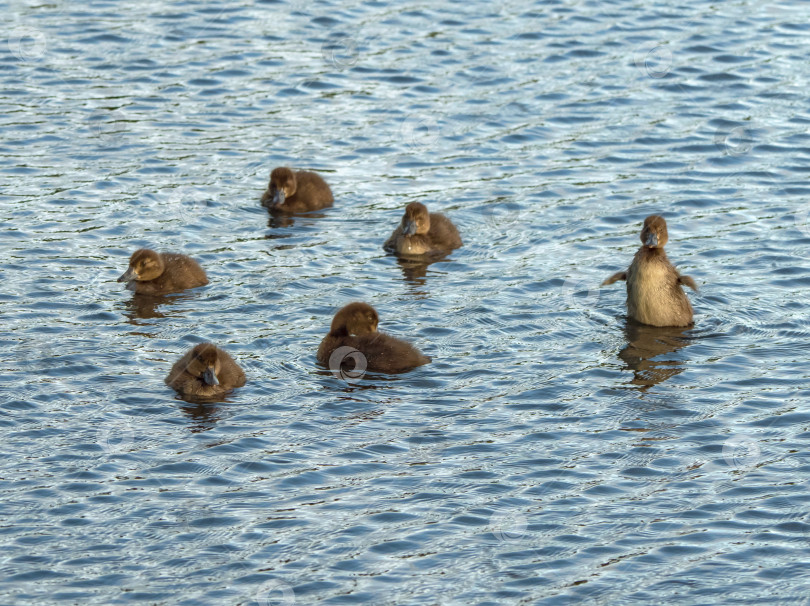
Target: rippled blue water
551,453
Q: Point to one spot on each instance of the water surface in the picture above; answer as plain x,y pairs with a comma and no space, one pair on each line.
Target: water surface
551,453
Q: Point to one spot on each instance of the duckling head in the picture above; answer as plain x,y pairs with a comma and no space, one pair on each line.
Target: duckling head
416,220
282,185
144,265
654,232
356,319
204,363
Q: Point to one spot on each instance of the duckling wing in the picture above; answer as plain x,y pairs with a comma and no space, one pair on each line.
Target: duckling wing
619,275
181,272
443,234
179,378
385,353
179,367
230,374
391,243
330,343
312,191
688,281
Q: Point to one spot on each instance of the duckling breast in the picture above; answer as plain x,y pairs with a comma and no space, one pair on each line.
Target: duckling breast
412,245
654,295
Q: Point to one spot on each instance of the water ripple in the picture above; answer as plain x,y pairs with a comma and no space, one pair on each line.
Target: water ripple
551,451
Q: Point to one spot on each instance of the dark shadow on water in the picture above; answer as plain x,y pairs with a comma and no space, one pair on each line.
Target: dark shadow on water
280,220
277,221
414,269
147,307
203,415
358,382
413,272
644,350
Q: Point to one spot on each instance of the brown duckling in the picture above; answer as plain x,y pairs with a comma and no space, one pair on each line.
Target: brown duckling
296,192
355,326
655,293
422,233
205,371
152,273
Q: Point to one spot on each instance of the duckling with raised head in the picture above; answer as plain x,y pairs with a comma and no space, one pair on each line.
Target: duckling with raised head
152,273
296,191
422,233
655,293
355,326
205,371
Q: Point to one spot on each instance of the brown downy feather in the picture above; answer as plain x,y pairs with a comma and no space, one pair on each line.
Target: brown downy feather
205,371
655,293
422,233
355,326
152,273
296,192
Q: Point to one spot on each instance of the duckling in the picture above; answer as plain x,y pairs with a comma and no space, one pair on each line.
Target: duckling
421,233
296,192
355,326
655,293
205,371
152,273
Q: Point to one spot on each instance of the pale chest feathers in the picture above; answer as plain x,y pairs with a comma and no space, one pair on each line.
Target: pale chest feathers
654,295
412,246
650,279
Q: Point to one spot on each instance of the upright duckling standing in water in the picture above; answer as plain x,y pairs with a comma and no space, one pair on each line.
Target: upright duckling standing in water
654,287
422,233
296,192
355,326
152,273
205,371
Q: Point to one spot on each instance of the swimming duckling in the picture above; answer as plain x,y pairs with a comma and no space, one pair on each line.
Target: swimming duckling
205,371
296,192
355,326
654,287
152,273
421,232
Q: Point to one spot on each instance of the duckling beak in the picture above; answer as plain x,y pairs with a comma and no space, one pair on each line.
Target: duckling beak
652,240
278,197
210,377
128,275
409,228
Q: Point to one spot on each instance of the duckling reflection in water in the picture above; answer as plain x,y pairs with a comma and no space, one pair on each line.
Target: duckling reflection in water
145,307
422,233
152,273
355,326
277,220
203,416
414,270
205,371
645,344
655,293
296,191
